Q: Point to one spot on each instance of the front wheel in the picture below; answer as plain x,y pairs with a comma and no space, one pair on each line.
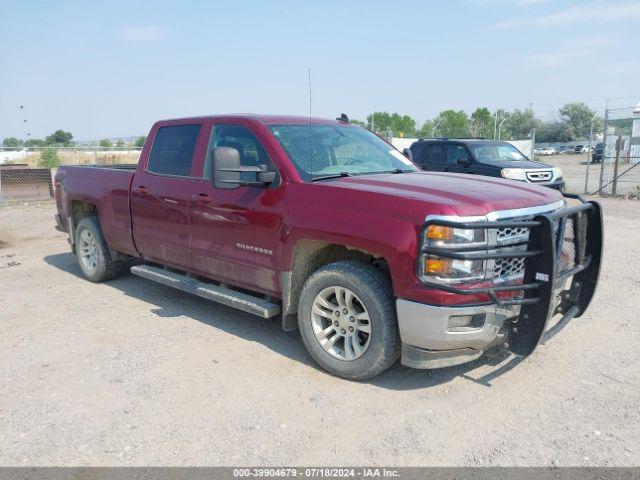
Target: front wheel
347,320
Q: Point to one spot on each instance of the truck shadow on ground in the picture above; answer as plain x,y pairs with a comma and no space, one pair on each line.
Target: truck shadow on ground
171,303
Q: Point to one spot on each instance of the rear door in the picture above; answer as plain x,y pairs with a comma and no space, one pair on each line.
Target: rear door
161,194
235,232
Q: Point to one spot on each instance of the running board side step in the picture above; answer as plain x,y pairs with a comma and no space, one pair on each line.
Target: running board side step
241,301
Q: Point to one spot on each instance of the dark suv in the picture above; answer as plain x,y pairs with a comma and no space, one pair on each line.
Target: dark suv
483,157
598,152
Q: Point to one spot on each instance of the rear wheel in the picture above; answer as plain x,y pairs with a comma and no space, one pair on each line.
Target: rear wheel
92,252
347,320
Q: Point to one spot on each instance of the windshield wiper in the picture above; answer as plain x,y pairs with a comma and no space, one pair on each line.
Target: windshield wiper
328,177
399,170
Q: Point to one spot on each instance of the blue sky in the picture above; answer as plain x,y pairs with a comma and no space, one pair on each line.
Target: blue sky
112,68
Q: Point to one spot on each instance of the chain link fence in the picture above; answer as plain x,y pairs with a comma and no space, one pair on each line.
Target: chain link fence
619,170
27,174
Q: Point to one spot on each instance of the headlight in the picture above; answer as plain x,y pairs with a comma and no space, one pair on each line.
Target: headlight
445,270
513,173
443,237
557,173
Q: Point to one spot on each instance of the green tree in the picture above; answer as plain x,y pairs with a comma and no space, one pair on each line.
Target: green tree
452,124
49,158
553,132
139,143
577,118
106,143
481,123
379,121
403,125
59,137
400,125
120,144
518,125
12,142
35,142
425,130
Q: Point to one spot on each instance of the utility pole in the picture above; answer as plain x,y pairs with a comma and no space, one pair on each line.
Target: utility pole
604,141
433,129
500,127
495,124
533,143
533,131
589,155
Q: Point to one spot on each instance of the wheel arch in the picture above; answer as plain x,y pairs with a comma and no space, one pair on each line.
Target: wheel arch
309,255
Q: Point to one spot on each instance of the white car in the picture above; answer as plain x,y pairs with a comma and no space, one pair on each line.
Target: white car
545,151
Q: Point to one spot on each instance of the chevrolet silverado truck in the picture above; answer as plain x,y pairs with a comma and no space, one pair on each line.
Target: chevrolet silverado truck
329,228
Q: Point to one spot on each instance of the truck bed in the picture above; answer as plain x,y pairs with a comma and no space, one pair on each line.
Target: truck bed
105,186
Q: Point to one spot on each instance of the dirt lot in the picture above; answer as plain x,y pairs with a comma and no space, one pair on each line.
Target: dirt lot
134,373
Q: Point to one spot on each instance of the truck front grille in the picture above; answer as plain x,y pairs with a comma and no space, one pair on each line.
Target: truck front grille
508,268
539,176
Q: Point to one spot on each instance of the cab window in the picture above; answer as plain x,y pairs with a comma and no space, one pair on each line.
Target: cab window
457,153
251,151
435,153
172,150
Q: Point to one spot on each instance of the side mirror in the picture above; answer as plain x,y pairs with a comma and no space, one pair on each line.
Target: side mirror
227,170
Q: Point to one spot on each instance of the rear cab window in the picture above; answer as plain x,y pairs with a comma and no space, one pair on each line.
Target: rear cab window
172,150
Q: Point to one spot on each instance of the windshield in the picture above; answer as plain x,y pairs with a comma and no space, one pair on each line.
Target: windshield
496,152
325,150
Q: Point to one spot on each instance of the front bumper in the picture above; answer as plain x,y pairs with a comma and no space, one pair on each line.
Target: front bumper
556,185
432,336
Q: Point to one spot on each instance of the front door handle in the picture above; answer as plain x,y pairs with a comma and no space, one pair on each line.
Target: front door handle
202,198
142,190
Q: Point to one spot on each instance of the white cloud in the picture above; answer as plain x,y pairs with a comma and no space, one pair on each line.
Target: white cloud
576,49
595,13
146,33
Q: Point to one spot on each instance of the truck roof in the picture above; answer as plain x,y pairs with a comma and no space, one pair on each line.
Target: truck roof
263,118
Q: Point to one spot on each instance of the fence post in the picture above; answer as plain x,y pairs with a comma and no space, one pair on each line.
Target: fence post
604,150
615,166
95,155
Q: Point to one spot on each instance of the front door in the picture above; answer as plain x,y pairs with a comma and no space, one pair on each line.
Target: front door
161,196
458,159
234,233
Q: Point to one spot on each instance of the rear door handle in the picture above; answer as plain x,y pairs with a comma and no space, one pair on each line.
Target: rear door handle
142,190
202,198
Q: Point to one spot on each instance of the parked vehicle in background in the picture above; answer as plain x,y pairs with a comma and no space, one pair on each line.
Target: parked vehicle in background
564,149
598,152
545,151
484,157
581,149
329,227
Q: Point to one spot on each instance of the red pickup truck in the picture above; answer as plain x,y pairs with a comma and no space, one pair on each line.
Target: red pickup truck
329,227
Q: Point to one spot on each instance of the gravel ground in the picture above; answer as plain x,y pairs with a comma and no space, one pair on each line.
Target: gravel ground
133,373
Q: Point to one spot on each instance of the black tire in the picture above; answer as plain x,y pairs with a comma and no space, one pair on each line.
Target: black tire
373,289
105,268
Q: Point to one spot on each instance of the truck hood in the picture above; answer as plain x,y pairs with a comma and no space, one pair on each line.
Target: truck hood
450,193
